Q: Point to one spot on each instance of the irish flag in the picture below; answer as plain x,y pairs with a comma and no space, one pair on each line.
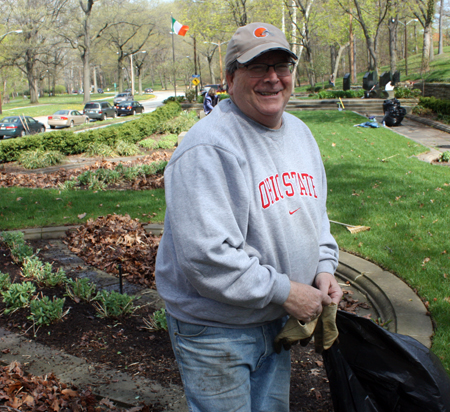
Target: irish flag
179,28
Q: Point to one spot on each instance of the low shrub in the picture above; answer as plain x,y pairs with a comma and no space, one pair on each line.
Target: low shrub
45,311
81,289
100,149
335,94
149,144
37,158
406,93
114,304
445,157
124,148
68,142
17,296
179,124
438,106
190,95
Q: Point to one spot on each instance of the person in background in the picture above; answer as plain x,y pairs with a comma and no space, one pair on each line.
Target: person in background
246,235
332,81
209,101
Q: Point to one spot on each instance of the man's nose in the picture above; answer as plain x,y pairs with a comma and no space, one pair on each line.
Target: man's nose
271,75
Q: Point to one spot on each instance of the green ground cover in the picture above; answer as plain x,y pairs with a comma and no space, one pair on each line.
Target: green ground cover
23,207
374,181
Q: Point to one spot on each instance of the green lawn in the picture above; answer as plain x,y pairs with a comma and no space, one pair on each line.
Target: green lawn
49,105
22,207
405,202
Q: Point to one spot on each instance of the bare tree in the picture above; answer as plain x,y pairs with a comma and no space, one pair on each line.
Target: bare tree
370,17
37,19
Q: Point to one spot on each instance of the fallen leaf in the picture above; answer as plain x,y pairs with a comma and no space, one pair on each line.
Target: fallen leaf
81,216
19,198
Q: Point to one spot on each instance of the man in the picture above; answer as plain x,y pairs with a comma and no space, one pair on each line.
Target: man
246,237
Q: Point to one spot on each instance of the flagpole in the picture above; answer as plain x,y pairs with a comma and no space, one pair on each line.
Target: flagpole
173,54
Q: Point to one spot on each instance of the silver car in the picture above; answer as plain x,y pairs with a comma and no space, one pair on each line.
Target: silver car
122,97
67,118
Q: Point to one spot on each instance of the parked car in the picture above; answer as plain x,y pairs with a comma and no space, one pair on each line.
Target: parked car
131,107
17,126
148,90
99,110
100,91
122,97
128,91
67,118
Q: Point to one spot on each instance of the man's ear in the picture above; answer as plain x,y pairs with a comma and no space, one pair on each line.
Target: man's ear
230,83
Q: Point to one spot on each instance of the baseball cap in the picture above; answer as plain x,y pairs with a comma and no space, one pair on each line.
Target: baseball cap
254,39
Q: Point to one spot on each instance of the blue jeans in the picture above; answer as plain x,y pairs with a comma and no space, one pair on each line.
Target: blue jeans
227,370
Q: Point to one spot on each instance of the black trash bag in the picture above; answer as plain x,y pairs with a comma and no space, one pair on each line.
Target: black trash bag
393,112
373,370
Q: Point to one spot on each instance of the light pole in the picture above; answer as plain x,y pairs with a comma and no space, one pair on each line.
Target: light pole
14,31
406,44
220,58
1,38
132,70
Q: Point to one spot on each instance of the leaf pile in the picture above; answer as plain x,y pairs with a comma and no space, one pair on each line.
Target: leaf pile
54,179
116,239
26,392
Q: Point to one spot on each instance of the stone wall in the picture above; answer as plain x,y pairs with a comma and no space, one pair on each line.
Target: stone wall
437,90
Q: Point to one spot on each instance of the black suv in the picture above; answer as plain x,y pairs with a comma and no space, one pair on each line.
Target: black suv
99,110
122,97
131,107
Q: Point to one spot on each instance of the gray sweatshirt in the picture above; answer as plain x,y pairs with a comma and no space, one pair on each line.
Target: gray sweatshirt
246,213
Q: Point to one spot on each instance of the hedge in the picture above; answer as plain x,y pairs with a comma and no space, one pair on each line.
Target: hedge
335,94
68,142
439,106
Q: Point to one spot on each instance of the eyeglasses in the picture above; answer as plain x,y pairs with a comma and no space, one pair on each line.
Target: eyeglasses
260,69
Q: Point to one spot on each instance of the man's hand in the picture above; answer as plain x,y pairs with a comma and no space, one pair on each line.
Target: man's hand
328,285
306,302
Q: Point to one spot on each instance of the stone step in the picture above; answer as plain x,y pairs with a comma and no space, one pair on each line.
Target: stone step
363,106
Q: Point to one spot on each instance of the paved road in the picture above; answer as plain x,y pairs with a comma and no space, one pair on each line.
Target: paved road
149,106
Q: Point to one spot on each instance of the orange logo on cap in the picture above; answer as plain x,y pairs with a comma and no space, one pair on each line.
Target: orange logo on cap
261,32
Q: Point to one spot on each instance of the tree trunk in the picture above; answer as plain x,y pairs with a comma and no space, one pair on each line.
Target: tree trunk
333,58
94,77
441,34
393,27
85,57
426,49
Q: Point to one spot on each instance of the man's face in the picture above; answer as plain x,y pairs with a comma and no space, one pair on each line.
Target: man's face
262,99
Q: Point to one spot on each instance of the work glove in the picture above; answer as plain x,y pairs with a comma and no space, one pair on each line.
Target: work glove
293,332
323,328
326,331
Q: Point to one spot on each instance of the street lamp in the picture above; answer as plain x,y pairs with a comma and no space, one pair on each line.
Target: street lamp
406,44
14,31
220,58
132,70
1,38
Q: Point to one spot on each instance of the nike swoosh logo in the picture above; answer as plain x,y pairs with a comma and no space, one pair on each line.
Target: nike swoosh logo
293,211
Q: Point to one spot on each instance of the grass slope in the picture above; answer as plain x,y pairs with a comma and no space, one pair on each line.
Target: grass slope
405,202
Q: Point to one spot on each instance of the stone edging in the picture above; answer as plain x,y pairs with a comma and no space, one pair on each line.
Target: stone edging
437,125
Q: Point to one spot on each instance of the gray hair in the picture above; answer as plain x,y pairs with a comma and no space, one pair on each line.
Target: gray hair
233,66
